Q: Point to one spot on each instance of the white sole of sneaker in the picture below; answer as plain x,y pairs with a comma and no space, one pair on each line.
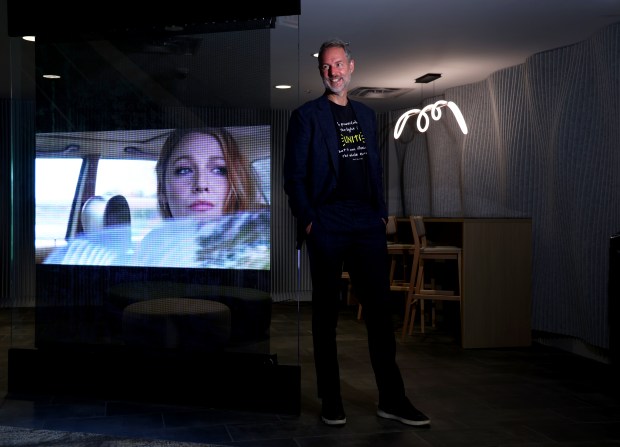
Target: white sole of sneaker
334,421
385,415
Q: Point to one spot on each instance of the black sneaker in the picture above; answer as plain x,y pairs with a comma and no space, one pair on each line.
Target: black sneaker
332,412
404,412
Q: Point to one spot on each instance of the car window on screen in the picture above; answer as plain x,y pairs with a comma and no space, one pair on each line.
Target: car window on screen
136,180
55,182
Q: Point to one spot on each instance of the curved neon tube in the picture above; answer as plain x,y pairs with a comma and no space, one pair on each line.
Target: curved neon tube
423,120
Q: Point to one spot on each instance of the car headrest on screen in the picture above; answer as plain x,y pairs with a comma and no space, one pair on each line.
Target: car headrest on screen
92,214
99,213
117,212
106,239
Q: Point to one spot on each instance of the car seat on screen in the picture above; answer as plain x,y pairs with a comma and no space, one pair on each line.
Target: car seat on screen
92,214
106,236
107,223
117,222
99,213
117,212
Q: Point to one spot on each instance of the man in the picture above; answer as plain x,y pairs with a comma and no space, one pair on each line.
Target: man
333,179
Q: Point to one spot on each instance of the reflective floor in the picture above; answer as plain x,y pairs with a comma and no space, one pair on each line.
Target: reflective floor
536,396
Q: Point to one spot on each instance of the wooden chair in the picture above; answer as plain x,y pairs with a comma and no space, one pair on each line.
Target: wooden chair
403,255
391,229
409,255
422,290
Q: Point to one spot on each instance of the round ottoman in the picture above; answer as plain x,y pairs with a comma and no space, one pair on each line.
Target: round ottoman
250,309
181,323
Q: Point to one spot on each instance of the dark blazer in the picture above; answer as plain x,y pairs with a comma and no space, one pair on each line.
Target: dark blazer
311,159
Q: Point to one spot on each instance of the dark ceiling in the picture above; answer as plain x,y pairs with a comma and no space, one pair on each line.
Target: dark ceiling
236,63
396,41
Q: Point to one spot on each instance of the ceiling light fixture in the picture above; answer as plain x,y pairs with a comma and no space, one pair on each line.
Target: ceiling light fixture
51,76
282,86
424,121
29,38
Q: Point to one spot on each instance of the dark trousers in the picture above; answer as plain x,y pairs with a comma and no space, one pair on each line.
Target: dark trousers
353,234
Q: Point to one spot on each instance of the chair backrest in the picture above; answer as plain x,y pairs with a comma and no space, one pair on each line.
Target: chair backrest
419,231
391,229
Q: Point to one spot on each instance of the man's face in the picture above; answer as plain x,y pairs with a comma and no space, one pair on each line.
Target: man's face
336,70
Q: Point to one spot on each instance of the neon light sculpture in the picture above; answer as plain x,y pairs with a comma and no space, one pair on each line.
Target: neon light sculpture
424,121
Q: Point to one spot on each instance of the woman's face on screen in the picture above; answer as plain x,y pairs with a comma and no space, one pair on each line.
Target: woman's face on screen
197,178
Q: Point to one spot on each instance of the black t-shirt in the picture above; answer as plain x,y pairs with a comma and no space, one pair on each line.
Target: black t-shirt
353,156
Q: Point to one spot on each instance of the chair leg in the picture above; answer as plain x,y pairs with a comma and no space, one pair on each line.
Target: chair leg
422,315
419,286
413,312
408,321
392,269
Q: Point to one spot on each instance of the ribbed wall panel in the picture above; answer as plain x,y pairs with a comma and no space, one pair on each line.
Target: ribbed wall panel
23,144
17,204
414,176
289,269
543,142
480,155
5,201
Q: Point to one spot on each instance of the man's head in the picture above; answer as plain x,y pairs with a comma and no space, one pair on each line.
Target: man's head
336,65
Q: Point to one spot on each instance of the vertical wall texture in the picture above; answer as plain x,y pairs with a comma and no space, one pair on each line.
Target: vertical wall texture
5,201
543,142
17,272
289,268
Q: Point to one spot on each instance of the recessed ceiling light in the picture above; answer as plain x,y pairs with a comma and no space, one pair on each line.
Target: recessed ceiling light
29,38
282,86
51,76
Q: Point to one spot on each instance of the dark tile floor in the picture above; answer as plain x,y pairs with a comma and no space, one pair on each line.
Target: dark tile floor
536,396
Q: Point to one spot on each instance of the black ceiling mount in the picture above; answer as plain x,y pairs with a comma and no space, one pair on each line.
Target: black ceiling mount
428,77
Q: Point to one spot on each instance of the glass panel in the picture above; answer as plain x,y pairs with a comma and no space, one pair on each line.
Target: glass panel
206,78
102,125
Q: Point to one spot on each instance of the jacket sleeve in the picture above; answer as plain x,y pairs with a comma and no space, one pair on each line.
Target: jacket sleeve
295,170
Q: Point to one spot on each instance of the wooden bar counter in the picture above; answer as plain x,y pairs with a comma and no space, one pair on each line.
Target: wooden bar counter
496,277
